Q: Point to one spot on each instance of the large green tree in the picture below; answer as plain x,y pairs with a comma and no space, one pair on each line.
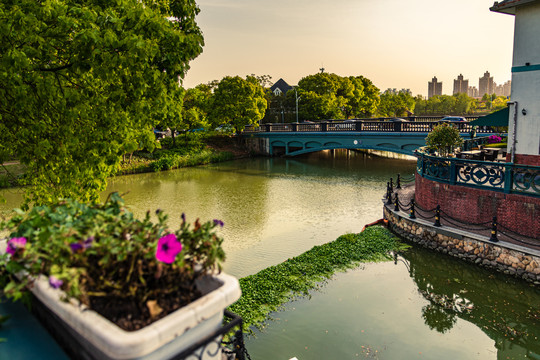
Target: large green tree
400,104
330,96
81,80
238,102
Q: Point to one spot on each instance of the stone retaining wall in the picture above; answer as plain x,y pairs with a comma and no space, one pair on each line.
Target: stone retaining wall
507,258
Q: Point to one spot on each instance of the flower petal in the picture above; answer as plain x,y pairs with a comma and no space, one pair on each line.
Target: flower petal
167,249
55,282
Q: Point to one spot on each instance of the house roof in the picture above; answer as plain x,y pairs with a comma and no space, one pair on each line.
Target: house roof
509,6
282,85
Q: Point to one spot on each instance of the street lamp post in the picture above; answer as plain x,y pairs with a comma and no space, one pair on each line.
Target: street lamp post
297,98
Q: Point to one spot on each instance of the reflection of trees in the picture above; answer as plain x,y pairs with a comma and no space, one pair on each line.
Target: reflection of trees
506,309
207,192
438,318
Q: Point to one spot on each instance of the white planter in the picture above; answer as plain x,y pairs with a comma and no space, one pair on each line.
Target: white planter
98,338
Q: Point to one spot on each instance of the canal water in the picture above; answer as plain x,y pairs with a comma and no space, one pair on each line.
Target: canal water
420,306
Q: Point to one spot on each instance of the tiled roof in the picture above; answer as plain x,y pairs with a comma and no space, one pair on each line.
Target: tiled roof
282,85
509,6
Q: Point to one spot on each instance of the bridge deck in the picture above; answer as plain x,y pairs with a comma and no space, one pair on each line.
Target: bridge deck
399,137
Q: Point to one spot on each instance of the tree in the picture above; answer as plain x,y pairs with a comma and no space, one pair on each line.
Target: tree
444,138
196,105
238,102
330,96
172,117
367,104
500,102
400,104
457,104
79,81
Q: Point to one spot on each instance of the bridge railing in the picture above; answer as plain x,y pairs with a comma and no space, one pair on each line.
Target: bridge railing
495,176
363,126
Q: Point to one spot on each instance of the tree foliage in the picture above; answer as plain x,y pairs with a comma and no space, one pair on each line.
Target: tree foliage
196,106
330,96
400,104
82,82
457,104
444,138
238,102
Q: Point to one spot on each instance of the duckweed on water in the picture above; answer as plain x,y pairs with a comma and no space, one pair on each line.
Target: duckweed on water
270,288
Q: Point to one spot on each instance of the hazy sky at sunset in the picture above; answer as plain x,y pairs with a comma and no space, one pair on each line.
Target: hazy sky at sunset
395,43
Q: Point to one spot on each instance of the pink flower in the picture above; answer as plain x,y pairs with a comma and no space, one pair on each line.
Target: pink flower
14,244
167,248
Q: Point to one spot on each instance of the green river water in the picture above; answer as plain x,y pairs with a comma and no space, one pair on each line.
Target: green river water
423,306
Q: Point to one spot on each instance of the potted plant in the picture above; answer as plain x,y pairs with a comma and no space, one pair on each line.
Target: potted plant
122,288
444,138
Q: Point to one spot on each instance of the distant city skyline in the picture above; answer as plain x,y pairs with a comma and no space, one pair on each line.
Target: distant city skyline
395,44
486,85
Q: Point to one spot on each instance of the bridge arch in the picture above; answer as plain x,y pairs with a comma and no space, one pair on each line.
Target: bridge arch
292,140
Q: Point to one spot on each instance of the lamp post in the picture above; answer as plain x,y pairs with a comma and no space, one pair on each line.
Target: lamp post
297,98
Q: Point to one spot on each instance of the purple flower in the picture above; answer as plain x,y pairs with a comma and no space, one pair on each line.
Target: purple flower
14,244
81,246
183,216
88,242
218,222
75,247
55,282
167,249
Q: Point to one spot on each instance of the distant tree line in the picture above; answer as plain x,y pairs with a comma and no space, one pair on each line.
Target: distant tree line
239,102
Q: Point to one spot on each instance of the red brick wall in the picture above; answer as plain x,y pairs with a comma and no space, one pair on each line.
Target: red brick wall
518,213
533,160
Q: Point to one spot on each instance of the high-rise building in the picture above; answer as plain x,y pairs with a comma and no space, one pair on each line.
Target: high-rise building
486,84
472,91
434,87
460,85
395,91
507,88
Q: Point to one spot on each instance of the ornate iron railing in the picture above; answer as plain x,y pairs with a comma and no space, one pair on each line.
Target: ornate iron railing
503,177
228,339
362,126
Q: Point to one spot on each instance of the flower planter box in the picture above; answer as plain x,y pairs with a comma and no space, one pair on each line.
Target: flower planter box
87,335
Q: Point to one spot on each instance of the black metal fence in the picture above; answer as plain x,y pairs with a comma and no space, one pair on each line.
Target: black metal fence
441,218
229,339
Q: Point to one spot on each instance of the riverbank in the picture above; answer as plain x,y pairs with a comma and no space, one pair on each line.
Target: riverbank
193,151
184,152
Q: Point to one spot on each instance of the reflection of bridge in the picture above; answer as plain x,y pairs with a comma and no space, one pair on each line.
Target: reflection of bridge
295,139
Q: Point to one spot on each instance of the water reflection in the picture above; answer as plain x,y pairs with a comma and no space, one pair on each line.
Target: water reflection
506,309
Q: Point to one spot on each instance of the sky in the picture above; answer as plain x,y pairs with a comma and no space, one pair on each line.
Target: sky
394,43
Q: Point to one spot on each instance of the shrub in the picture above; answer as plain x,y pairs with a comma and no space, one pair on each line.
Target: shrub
493,139
444,138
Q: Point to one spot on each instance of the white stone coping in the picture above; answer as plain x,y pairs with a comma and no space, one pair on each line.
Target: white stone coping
464,233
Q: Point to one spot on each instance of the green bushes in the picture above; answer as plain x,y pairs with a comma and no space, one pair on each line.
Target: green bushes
267,290
170,160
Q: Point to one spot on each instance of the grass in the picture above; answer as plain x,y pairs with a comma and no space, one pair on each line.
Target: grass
197,149
269,289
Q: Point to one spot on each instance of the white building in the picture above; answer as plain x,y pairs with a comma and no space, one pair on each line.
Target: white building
524,114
